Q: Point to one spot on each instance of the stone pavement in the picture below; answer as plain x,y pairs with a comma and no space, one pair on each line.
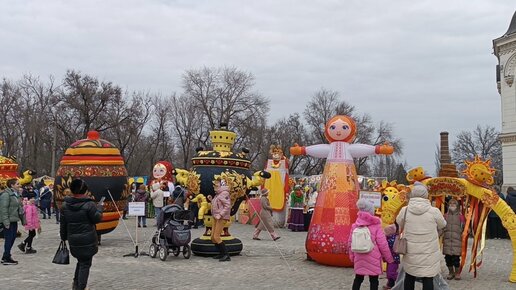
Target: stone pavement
259,267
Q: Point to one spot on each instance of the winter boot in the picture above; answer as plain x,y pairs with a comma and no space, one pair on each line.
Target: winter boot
22,247
457,274
451,274
220,254
225,257
30,251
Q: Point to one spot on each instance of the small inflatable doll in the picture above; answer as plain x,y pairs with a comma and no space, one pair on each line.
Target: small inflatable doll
335,210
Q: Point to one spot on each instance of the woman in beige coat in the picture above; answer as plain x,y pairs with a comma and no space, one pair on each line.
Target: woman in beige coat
266,222
420,226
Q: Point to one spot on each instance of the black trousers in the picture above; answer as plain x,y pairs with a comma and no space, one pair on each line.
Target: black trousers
28,240
46,210
373,282
452,261
82,272
410,281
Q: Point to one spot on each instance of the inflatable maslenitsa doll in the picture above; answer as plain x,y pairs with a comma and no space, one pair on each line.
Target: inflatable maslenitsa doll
335,209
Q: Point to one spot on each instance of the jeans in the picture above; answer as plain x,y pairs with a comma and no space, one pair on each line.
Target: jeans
58,215
157,210
373,282
9,237
142,220
410,281
82,271
28,240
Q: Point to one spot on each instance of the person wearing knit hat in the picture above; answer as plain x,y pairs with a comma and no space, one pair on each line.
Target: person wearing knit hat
368,263
419,190
420,222
365,205
266,221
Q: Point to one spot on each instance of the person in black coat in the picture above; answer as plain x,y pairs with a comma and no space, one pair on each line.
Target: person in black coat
79,214
495,229
45,201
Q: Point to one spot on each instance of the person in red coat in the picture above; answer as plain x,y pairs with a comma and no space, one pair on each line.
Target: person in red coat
369,264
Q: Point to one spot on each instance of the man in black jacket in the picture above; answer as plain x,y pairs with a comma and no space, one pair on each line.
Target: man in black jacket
79,214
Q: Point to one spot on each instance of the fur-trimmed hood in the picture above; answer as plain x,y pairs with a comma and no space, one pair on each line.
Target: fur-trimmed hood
366,219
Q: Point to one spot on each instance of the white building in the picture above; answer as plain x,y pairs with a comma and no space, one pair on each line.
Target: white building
505,50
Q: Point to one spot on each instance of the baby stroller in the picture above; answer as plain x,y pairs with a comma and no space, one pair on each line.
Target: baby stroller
173,234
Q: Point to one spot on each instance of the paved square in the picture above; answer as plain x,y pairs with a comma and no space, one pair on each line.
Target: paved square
259,267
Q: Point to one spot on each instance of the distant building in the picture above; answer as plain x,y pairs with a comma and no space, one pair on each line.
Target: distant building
505,50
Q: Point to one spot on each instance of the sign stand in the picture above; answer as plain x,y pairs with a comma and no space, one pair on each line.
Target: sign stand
136,209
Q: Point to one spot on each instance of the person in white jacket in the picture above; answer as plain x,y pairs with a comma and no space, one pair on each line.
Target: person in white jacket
157,198
420,225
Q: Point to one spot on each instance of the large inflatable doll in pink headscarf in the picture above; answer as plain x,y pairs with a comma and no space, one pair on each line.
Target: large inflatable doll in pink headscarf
335,209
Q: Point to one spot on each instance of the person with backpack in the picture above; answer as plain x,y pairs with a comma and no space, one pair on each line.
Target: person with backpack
368,245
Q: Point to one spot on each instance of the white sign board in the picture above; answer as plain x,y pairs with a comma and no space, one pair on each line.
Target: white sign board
137,208
372,196
166,193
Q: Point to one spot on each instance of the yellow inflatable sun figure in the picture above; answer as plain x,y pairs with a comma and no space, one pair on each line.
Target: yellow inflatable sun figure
479,172
394,196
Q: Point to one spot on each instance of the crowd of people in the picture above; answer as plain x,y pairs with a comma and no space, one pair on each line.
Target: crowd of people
422,224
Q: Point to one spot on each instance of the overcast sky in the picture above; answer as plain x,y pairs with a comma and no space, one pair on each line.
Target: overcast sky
424,66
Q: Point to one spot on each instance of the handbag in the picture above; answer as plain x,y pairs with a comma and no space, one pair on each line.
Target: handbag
62,256
400,243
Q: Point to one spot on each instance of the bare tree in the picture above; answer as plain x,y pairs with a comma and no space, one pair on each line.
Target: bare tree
482,142
225,95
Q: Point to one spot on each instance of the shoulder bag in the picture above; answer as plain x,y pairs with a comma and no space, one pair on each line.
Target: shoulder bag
400,243
62,256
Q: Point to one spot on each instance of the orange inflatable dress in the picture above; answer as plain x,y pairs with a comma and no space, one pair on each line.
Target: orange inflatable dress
335,210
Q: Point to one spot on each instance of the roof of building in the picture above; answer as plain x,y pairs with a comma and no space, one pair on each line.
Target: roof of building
512,26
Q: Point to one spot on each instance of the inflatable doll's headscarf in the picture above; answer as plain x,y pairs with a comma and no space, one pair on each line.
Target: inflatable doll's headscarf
343,118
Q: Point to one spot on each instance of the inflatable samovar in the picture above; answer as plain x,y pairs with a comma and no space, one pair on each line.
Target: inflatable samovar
232,167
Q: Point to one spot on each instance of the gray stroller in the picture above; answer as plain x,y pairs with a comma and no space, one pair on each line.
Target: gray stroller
173,234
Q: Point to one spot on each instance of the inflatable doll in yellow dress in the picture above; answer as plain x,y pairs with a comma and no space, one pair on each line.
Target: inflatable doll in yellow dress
335,209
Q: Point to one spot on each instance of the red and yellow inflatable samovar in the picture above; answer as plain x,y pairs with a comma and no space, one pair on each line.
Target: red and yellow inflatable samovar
99,163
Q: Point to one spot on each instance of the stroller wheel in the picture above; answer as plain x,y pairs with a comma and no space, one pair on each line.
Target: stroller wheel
187,252
176,251
153,250
163,253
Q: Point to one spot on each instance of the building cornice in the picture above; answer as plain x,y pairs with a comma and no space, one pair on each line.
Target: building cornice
505,48
507,137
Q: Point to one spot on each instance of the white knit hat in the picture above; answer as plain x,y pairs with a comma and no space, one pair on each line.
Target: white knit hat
419,190
156,186
365,205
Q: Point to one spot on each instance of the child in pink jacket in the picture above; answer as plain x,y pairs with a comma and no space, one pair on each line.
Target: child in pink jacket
369,264
32,224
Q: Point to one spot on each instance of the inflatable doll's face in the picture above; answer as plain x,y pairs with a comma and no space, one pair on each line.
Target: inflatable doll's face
159,170
339,130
